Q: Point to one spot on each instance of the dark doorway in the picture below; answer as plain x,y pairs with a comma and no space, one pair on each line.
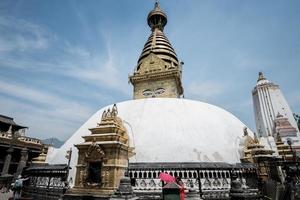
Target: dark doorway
94,172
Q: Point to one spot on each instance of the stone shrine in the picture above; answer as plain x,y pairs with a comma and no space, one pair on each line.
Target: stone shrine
102,157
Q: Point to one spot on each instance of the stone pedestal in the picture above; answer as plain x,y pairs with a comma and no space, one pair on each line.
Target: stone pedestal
125,187
239,191
84,197
124,191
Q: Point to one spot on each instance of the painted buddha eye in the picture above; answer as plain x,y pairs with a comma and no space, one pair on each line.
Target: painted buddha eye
159,91
147,93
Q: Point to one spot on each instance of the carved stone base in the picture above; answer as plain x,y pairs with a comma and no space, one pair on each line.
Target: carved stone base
124,197
125,190
84,197
87,194
94,192
125,187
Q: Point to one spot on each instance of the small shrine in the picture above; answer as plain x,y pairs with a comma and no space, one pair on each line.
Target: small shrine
284,150
283,127
41,159
254,152
103,157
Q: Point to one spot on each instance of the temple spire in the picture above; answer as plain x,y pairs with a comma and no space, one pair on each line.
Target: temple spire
158,71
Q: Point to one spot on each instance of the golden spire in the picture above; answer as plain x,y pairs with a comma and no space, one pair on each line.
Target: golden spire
157,18
158,59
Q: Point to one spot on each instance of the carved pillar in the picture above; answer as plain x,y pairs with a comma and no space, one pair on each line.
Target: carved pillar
22,162
7,161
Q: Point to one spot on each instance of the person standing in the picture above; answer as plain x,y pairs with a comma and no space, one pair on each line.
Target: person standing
18,186
180,183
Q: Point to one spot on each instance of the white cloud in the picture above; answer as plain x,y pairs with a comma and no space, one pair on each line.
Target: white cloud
48,114
21,35
98,69
51,104
41,124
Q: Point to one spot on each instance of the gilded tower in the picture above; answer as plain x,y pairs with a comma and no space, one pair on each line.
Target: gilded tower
158,72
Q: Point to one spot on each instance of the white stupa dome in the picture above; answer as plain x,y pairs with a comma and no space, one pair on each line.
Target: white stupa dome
169,130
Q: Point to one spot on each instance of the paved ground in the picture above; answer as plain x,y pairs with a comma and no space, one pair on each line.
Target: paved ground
5,196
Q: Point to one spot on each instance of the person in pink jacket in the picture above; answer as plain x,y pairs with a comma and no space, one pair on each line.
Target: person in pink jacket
180,183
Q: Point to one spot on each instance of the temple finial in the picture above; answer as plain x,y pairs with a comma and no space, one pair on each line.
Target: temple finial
157,18
156,5
261,76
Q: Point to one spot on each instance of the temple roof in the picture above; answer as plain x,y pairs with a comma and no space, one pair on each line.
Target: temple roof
10,121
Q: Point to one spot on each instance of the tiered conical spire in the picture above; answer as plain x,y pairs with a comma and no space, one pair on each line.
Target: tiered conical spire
158,72
158,43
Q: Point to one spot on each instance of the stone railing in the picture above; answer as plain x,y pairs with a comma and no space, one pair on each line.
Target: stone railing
8,136
214,182
30,140
5,135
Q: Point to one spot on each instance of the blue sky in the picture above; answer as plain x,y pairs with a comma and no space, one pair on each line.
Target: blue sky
60,61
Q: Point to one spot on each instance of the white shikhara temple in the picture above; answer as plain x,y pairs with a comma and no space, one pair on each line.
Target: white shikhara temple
272,113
